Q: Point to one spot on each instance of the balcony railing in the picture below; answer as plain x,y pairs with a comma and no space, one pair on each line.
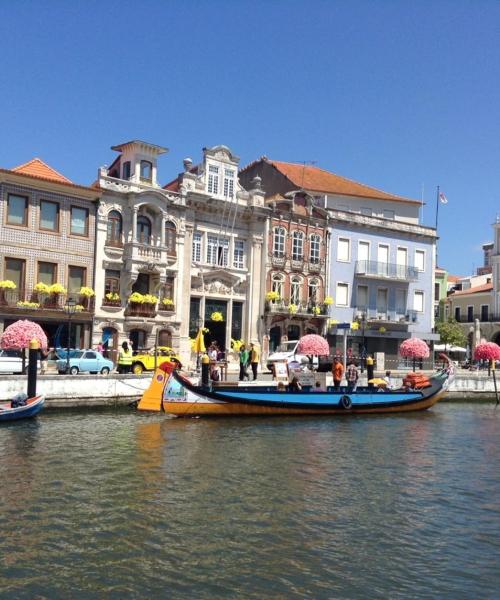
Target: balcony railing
280,307
140,309
384,315
23,301
381,270
278,259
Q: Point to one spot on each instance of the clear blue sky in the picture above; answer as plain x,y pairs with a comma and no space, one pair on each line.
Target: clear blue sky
394,94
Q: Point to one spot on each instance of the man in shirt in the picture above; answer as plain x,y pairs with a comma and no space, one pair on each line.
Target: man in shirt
337,372
352,376
254,359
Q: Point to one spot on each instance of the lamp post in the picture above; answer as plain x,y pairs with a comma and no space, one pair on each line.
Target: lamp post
362,321
69,309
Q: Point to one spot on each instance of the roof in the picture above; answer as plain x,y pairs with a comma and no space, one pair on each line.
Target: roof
151,147
454,278
318,180
37,168
486,287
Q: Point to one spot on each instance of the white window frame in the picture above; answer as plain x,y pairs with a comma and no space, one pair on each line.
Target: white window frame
415,294
368,243
212,246
279,239
401,310
388,210
315,238
365,306
197,246
278,284
365,211
348,240
382,309
343,284
228,182
419,251
239,254
313,282
298,245
295,284
213,174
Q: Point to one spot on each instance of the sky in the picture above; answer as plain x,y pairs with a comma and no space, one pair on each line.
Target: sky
399,95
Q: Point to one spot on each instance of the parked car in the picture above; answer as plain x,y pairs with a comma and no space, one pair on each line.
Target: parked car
12,362
288,351
145,361
85,361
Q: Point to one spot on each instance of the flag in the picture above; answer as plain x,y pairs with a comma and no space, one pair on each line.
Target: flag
442,198
199,342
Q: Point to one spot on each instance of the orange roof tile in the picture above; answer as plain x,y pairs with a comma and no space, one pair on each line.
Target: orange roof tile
319,180
486,287
454,278
37,168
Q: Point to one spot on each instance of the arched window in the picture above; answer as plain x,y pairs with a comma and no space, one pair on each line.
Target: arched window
165,338
298,245
312,291
146,170
170,237
315,245
279,242
114,231
143,230
295,290
277,284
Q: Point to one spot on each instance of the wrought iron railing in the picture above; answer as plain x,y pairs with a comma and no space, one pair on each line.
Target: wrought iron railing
383,270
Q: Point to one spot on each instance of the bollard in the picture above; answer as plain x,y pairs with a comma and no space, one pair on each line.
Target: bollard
32,367
205,371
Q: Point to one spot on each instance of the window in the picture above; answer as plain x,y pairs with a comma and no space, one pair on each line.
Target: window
383,260
388,214
362,297
364,252
484,312
49,215
457,313
470,314
76,279
420,260
143,230
17,210
114,230
170,237
196,254
167,290
343,250
279,242
277,284
295,291
47,273
297,245
312,290
228,183
146,170
213,179
111,281
436,291
382,301
342,294
237,321
401,296
222,252
14,270
212,249
315,246
79,221
126,170
239,254
367,212
418,301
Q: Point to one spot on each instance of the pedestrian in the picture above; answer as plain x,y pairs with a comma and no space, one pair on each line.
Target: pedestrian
318,387
100,347
125,359
337,372
388,379
254,359
369,369
243,353
294,385
44,361
352,376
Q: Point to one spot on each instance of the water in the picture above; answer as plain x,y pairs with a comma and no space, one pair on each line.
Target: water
126,505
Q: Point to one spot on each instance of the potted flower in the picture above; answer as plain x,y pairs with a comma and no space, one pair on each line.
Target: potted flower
217,316
26,304
150,299
292,308
56,289
136,298
79,307
272,296
167,304
5,284
316,310
112,299
86,294
328,301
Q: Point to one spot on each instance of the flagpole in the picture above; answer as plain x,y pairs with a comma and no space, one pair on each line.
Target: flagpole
437,207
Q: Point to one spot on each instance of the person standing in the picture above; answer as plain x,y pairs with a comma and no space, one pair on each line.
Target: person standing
369,369
243,363
352,376
254,359
125,359
44,360
337,372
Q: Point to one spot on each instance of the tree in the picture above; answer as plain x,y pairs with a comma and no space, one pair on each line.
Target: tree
451,333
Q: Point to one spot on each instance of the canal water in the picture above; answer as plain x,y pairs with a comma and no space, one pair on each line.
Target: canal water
126,505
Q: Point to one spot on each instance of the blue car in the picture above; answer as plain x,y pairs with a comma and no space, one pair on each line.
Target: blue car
85,361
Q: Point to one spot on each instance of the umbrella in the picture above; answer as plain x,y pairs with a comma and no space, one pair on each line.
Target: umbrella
199,342
378,381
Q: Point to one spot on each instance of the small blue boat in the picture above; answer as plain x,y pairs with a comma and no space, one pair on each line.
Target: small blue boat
30,408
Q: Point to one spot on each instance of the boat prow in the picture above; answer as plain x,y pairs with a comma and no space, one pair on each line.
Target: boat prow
31,408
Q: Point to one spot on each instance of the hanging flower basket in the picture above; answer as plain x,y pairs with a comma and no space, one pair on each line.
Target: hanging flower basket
87,292
217,316
167,304
487,351
292,308
112,299
272,296
328,301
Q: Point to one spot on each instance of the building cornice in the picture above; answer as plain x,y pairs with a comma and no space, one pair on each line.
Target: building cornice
345,217
47,185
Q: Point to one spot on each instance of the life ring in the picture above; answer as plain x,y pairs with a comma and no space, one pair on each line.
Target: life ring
346,402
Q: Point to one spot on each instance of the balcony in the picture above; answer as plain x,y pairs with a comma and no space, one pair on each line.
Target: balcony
320,311
18,301
140,309
380,270
146,253
278,259
384,315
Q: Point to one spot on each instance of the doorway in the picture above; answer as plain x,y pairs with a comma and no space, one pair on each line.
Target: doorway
274,338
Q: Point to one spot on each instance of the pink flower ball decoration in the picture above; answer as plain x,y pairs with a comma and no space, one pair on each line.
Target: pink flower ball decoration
414,348
313,345
487,351
19,335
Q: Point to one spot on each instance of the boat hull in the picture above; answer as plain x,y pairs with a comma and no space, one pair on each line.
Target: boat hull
32,407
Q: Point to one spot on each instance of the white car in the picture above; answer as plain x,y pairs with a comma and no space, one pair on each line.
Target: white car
287,351
11,362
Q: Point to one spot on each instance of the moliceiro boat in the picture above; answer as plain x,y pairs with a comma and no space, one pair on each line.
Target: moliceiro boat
173,393
15,409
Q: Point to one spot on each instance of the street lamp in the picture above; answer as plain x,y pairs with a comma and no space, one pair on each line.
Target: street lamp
361,319
69,309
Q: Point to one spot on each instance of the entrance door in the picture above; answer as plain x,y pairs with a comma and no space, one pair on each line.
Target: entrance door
274,338
138,339
293,332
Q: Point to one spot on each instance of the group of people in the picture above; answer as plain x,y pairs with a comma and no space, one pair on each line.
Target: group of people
352,375
249,358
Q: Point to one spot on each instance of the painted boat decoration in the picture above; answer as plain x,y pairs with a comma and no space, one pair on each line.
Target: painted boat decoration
176,395
9,411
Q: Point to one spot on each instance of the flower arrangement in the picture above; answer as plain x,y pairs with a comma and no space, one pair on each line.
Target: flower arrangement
150,299
136,297
57,288
19,335
7,284
205,330
313,345
487,351
112,296
316,310
292,308
87,292
25,304
217,316
42,288
79,308
236,345
167,302
354,326
332,322
414,348
382,329
328,301
272,296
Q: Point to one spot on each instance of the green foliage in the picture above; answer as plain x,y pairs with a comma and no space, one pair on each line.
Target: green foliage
451,333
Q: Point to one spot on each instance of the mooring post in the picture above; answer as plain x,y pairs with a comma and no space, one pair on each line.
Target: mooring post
493,370
205,371
32,367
